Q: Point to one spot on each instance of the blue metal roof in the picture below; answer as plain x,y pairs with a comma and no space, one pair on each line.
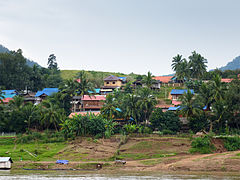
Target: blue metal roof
97,90
12,91
8,96
181,91
47,91
123,78
118,109
62,161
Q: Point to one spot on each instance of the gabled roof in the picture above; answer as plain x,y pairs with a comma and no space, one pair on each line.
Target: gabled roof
181,91
6,96
47,91
112,78
6,100
5,159
163,79
94,98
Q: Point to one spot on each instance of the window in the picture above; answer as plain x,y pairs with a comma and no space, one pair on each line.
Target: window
113,82
107,82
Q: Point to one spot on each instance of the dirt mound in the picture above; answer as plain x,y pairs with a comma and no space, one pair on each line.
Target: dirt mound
219,145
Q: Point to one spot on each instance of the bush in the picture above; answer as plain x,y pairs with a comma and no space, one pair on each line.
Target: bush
232,143
202,145
165,121
168,132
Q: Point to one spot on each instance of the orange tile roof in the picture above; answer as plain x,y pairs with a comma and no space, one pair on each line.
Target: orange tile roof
164,79
226,80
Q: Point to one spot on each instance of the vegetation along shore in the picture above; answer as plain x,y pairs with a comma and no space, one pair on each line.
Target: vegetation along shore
185,122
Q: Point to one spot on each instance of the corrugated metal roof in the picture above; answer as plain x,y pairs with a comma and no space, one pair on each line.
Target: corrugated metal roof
181,91
93,98
5,159
97,90
123,78
47,91
173,108
12,91
5,96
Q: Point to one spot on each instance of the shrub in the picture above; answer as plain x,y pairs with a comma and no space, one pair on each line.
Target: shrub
165,120
202,145
168,132
232,143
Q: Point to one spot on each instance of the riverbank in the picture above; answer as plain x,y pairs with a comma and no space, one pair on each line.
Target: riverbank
142,154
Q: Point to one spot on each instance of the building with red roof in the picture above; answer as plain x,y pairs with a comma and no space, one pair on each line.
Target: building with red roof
92,103
164,79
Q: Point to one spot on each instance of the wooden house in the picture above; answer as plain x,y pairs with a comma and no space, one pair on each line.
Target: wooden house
41,95
5,163
175,95
111,83
92,103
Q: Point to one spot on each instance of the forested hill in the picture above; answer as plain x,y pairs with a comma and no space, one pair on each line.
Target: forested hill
233,65
29,62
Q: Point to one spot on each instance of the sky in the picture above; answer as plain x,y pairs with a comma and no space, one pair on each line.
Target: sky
121,35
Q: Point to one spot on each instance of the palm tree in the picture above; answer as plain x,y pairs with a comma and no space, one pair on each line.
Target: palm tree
197,65
29,113
131,108
84,86
176,62
148,80
52,114
146,103
109,108
17,103
189,106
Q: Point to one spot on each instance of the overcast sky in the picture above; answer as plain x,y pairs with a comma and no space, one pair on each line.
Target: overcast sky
121,35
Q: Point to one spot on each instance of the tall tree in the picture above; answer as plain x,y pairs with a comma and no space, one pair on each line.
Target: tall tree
197,65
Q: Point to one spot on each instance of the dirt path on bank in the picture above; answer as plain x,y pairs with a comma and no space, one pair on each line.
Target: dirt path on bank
140,155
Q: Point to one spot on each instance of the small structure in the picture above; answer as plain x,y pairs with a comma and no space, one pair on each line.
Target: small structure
62,162
41,95
92,103
176,94
8,95
111,83
5,162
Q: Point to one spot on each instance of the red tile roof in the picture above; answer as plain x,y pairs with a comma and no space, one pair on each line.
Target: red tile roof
164,79
83,113
94,98
226,80
6,100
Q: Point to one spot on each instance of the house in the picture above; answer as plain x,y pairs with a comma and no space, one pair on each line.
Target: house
5,162
41,95
92,103
30,97
175,95
164,79
8,95
111,83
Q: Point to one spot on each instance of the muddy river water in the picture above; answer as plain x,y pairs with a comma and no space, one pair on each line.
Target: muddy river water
8,175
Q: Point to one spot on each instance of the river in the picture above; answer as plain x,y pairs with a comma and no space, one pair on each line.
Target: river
7,175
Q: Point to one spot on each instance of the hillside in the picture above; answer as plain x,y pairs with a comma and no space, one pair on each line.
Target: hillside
70,74
233,65
29,62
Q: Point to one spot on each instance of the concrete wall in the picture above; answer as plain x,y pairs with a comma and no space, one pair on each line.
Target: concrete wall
113,83
5,165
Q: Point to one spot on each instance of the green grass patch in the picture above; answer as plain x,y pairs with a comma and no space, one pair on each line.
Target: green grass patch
43,152
202,145
139,156
151,162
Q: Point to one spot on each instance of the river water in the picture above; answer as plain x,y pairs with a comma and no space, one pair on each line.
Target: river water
7,175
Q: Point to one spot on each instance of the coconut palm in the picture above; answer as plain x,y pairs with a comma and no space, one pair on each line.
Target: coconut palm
148,80
197,65
146,103
109,108
176,62
189,107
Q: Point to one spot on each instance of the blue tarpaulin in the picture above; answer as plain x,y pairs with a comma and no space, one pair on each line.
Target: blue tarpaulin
62,162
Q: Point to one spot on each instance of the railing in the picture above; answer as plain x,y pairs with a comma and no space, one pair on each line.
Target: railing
11,134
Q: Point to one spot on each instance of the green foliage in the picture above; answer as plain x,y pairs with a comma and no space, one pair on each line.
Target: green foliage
89,125
165,121
202,145
198,122
232,143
